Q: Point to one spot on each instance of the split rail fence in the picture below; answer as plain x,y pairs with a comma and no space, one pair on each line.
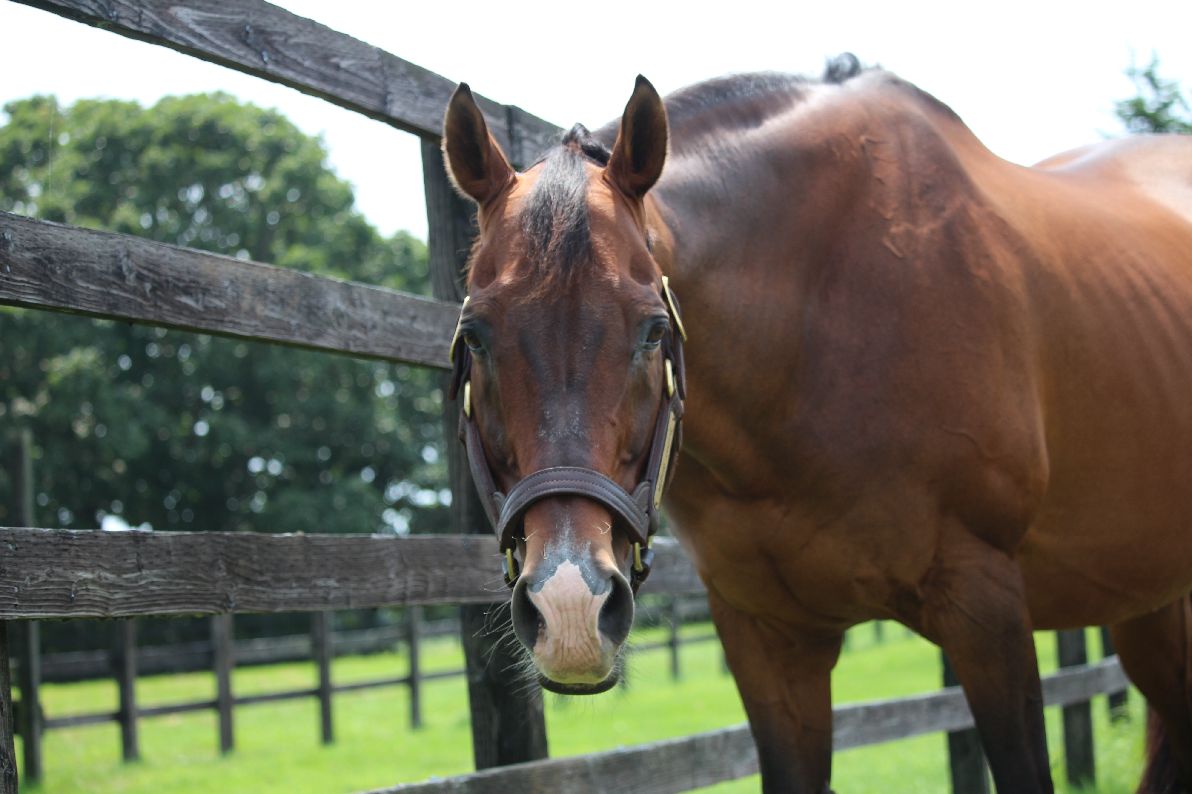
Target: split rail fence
126,660
47,573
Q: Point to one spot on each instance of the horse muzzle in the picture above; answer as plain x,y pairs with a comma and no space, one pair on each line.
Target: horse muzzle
572,610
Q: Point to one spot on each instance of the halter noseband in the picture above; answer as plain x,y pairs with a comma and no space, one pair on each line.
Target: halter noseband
636,513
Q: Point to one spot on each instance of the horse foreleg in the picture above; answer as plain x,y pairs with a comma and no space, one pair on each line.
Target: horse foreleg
784,677
973,605
1156,652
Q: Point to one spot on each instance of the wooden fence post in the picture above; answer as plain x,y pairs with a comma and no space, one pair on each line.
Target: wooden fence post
320,641
413,634
29,680
223,652
508,726
125,669
673,640
1078,717
1119,702
8,753
30,714
966,759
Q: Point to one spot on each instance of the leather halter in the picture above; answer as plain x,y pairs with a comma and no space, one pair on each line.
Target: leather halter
635,513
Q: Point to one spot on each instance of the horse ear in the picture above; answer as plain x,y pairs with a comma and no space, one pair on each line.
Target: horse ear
640,150
474,159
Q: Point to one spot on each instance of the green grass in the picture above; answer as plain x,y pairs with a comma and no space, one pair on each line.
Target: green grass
278,748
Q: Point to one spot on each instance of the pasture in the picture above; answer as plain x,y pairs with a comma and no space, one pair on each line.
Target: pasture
278,746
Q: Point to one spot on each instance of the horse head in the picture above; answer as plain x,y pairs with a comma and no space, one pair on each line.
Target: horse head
568,368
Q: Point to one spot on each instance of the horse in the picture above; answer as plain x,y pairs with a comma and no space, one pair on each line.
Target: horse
915,382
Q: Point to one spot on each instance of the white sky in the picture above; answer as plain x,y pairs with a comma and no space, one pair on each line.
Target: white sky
1030,78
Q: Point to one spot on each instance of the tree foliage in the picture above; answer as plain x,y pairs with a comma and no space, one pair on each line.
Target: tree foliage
1159,104
188,431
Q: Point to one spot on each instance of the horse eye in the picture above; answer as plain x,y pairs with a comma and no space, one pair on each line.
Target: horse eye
472,341
654,335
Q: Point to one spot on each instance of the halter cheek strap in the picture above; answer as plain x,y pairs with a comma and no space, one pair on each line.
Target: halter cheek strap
635,513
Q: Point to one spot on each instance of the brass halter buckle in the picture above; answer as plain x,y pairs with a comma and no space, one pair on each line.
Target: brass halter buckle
512,568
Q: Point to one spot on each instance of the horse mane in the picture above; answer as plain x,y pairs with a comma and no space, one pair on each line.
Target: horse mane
740,100
555,216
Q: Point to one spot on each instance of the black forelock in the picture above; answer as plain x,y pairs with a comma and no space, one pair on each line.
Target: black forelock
554,219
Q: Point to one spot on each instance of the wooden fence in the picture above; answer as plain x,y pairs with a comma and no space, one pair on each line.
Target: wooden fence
125,668
198,655
125,662
61,574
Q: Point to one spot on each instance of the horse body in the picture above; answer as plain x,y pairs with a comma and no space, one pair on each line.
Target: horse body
1113,308
1011,338
912,361
925,385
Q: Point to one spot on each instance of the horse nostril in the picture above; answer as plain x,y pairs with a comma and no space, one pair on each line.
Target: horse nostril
616,616
526,618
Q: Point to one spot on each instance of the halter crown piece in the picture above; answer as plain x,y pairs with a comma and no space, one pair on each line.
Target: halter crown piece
635,513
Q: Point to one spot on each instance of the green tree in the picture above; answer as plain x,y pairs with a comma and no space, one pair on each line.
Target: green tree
1159,104
188,431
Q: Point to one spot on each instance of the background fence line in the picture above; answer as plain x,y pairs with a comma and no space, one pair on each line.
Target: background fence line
123,665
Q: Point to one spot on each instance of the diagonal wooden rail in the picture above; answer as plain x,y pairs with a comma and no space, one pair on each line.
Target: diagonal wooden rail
266,41
690,762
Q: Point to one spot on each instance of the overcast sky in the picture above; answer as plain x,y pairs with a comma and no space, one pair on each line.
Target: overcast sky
1030,78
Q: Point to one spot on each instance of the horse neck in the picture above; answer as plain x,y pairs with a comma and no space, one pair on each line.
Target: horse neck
757,220
763,199
732,202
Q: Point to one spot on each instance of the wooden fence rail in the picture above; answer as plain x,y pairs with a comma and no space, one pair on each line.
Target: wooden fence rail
677,765
47,265
62,573
266,41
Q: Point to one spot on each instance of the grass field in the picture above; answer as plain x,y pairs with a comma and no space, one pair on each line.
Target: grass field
278,748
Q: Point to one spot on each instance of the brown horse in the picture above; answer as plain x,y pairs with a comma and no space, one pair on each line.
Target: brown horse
925,385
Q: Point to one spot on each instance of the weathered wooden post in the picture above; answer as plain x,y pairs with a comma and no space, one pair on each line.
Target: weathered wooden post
507,721
966,759
413,636
8,752
29,671
320,642
1119,702
222,638
125,670
1078,717
673,640
30,715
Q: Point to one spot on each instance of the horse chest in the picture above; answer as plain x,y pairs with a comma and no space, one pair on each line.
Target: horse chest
773,558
